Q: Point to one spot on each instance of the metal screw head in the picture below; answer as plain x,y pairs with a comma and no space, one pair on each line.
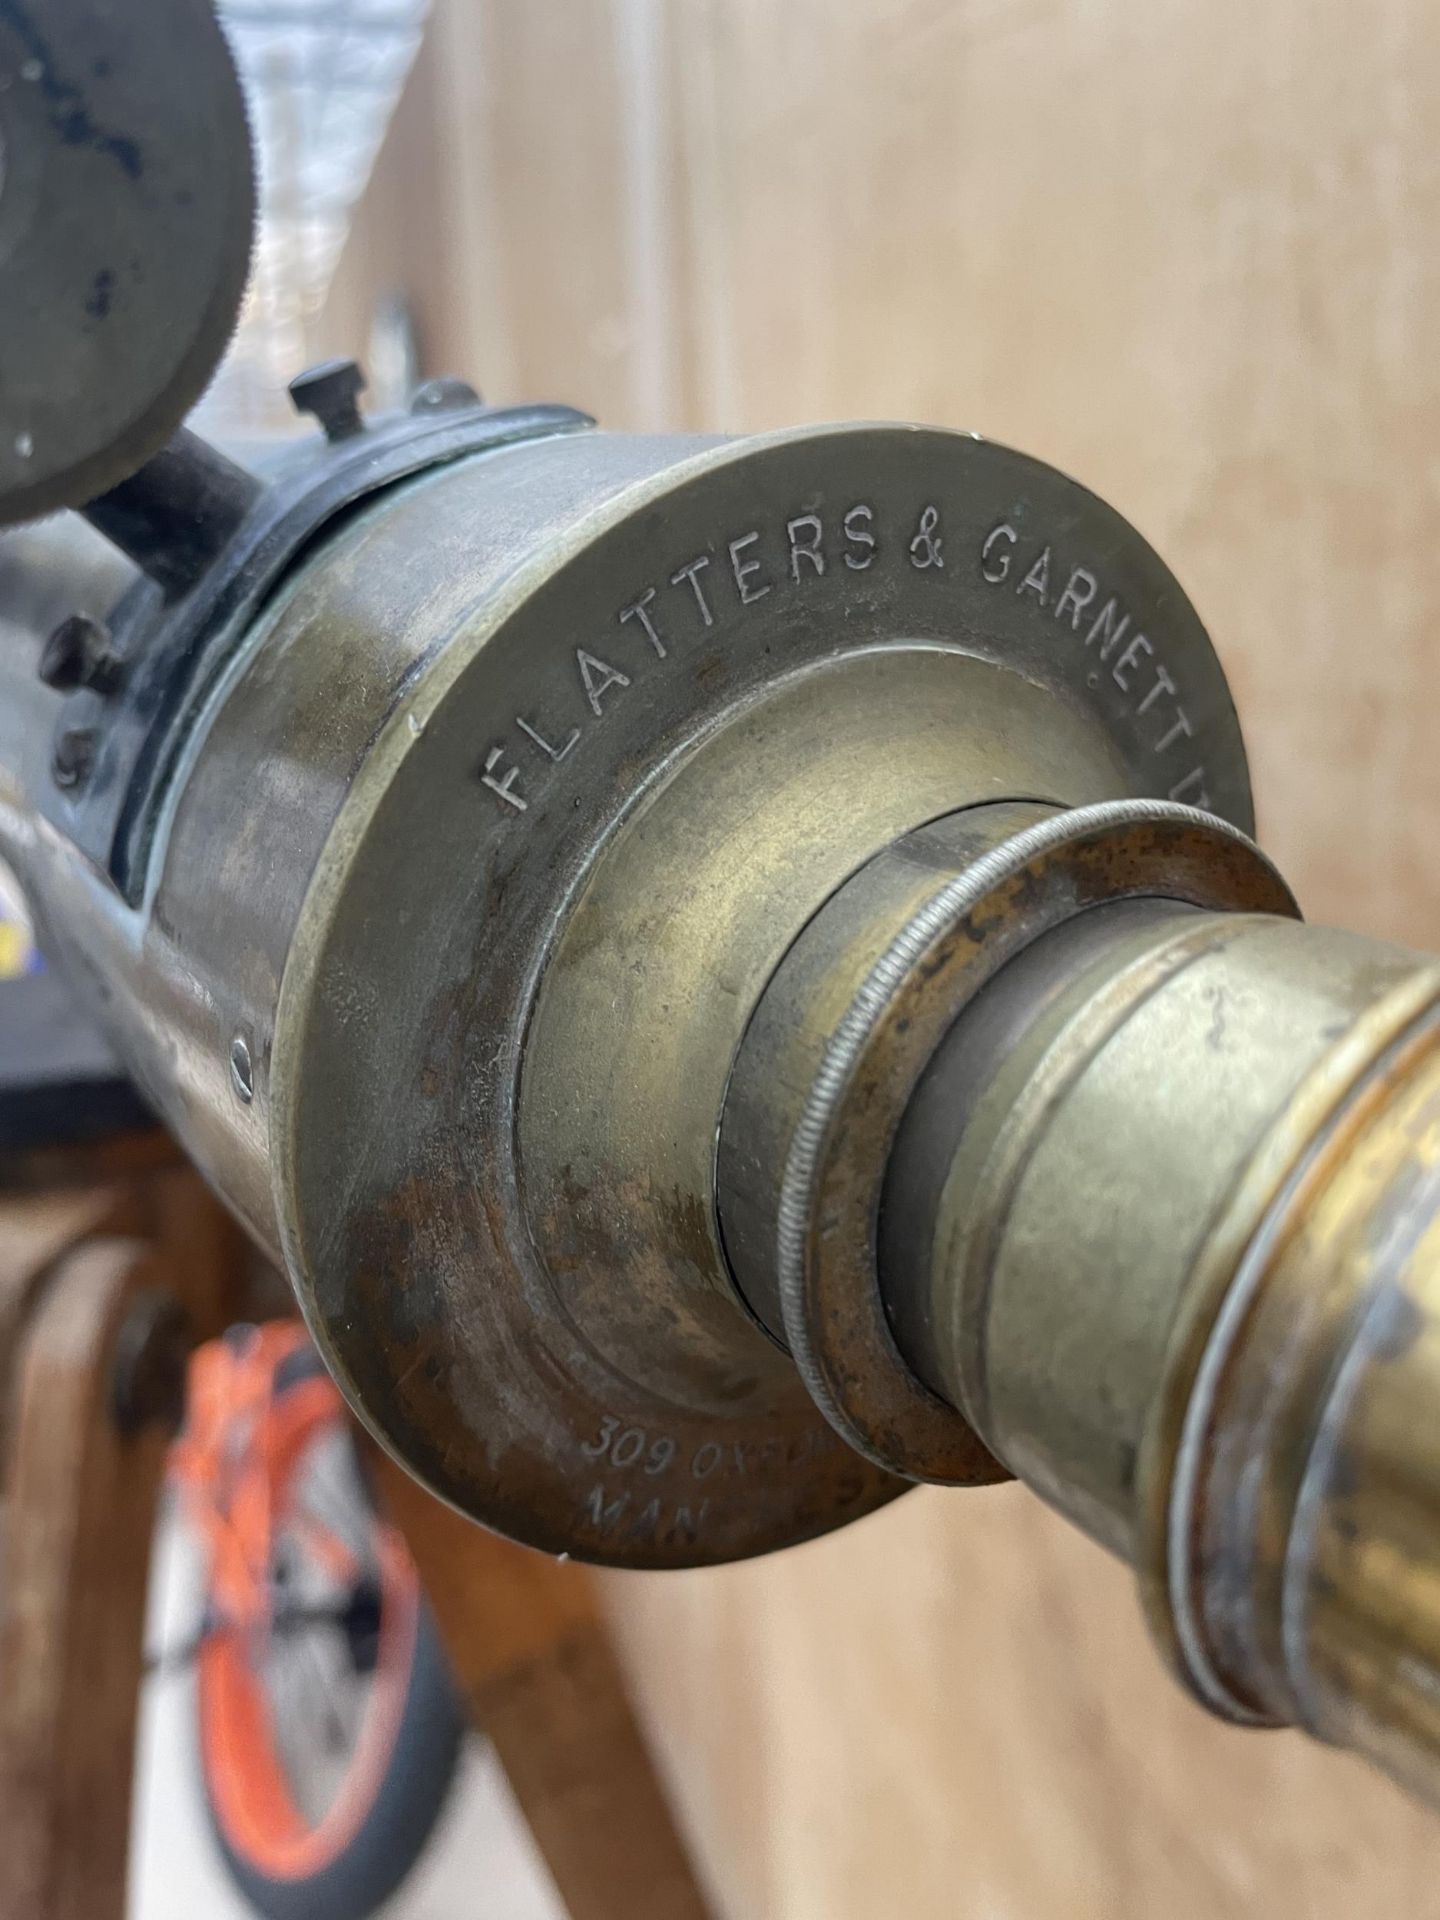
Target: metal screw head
62,658
74,756
242,1068
443,394
331,392
79,653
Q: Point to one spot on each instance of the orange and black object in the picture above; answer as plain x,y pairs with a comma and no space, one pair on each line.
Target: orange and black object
281,1572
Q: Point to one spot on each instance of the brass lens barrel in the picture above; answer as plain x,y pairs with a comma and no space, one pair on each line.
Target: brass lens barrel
1163,1223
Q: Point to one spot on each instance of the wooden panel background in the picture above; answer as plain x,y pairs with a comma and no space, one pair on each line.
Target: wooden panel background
1188,250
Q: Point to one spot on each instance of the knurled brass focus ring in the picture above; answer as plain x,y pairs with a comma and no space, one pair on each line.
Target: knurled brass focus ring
845,1122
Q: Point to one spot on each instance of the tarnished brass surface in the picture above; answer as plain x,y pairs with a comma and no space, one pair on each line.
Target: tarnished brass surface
689,911
481,856
1014,872
1313,1137
1301,1540
866,1392
1171,1222
1359,1617
509,1009
805,1002
1096,1168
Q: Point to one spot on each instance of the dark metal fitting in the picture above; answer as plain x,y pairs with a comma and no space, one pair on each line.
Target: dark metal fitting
152,1352
80,653
74,757
176,515
331,393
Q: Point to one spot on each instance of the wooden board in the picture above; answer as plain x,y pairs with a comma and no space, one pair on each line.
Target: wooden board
1190,251
529,1648
80,1499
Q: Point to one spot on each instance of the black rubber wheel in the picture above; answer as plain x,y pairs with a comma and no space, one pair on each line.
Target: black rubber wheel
407,1777
402,1817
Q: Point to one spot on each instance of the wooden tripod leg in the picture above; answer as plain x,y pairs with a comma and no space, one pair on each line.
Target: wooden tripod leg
530,1649
80,1487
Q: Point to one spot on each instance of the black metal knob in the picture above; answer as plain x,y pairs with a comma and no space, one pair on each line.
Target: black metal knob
79,653
331,392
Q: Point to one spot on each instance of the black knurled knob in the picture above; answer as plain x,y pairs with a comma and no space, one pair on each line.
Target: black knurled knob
79,653
331,392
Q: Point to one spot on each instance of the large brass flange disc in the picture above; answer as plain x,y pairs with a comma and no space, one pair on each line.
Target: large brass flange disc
126,215
507,1243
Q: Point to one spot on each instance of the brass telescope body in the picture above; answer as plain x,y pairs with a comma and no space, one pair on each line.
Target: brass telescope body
733,978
